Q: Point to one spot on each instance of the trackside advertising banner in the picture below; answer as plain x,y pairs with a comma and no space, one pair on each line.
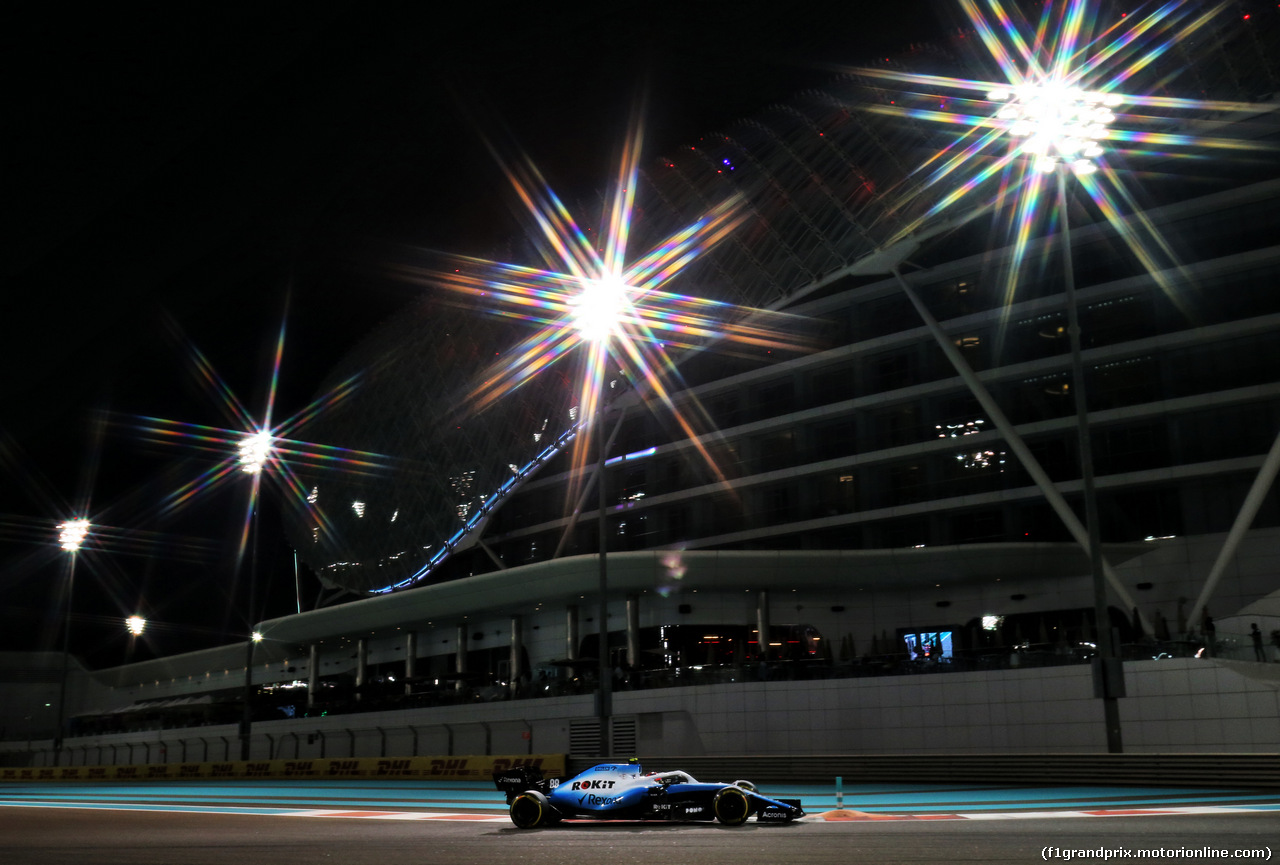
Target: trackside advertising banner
473,768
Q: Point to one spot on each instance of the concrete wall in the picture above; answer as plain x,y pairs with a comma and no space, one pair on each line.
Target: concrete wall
1196,705
1174,705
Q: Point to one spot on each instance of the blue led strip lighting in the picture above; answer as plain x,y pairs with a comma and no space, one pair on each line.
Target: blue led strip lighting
508,486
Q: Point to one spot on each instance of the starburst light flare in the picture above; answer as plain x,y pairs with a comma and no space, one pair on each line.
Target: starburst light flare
597,320
260,449
1067,99
590,296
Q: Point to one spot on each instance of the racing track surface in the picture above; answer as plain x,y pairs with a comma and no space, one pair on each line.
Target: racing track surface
385,823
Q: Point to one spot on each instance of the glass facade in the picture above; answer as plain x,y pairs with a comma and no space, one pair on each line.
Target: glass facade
871,439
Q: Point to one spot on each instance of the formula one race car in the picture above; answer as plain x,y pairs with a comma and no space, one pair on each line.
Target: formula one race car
621,791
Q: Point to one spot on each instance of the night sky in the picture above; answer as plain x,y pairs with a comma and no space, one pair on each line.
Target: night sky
178,172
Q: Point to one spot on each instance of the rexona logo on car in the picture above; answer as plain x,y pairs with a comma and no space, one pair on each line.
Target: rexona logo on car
593,785
598,800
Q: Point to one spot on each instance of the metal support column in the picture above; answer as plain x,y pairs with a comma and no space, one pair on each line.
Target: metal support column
1252,502
571,634
313,675
762,626
410,660
1010,435
513,662
633,631
460,658
362,666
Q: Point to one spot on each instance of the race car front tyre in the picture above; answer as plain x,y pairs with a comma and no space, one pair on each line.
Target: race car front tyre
529,811
731,806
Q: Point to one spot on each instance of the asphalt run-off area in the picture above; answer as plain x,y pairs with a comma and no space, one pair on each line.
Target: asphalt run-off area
472,800
387,822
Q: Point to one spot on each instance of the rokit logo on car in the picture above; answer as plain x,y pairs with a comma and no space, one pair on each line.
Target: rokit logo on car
593,785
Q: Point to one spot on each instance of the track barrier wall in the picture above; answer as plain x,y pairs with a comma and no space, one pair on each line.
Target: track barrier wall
1253,770
442,768
1208,770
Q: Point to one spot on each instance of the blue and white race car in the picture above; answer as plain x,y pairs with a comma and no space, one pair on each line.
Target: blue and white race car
622,791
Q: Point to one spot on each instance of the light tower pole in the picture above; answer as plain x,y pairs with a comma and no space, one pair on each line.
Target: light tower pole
255,453
1061,127
597,313
605,709
71,536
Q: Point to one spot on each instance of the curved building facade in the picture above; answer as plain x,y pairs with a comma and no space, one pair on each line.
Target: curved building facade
877,438
905,496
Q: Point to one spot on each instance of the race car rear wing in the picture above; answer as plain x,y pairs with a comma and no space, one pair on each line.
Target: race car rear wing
518,779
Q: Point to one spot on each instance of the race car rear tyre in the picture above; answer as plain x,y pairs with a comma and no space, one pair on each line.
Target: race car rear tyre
731,806
529,811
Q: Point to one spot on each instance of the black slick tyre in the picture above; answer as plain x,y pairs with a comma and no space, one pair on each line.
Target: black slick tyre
731,806
528,811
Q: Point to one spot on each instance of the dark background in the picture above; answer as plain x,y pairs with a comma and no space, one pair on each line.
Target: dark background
176,171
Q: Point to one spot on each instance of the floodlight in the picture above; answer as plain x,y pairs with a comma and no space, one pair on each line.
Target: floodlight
599,307
72,534
255,450
135,625
1058,124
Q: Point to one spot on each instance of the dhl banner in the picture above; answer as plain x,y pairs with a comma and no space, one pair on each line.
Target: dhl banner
471,768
